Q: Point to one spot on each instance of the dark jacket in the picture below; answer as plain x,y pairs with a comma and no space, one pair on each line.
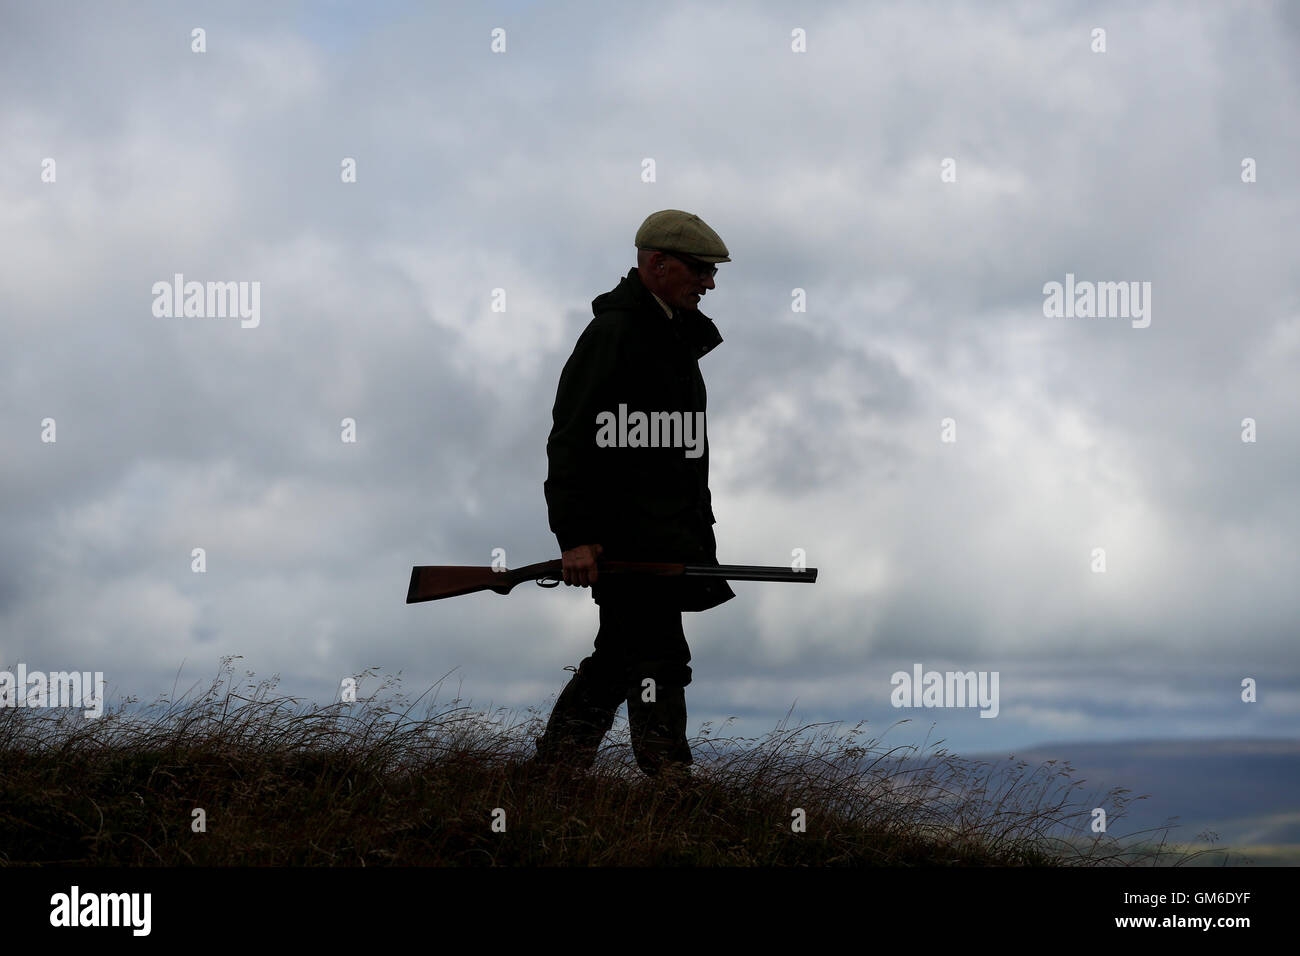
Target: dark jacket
640,503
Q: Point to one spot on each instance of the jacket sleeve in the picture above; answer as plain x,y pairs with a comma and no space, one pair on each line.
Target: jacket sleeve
576,487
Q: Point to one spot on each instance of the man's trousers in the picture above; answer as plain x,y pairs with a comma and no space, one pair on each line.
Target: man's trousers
641,657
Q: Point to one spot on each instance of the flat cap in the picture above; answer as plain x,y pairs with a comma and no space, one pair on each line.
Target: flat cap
672,230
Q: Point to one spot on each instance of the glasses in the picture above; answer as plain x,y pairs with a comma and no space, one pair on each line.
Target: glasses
705,270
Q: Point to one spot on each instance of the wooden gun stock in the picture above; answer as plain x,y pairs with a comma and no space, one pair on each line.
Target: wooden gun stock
432,582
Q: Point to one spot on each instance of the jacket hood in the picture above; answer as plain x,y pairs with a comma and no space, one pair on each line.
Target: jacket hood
631,295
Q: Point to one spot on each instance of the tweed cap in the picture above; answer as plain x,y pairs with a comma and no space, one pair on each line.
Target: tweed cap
671,230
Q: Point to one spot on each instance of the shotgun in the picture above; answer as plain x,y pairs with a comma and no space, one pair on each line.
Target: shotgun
430,583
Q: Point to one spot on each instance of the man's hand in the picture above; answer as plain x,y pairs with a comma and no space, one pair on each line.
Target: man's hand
580,564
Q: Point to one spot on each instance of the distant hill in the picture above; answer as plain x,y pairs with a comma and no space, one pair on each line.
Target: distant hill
1247,790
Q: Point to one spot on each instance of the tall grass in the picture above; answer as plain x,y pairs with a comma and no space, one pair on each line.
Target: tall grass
236,775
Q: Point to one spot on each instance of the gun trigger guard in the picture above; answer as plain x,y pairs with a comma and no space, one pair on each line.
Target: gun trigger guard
548,582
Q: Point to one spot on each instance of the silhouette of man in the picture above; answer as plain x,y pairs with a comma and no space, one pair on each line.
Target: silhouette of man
637,493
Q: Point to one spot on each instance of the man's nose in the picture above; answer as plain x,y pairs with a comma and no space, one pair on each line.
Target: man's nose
708,282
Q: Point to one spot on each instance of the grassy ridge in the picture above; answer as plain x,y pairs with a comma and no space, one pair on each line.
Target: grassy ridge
281,782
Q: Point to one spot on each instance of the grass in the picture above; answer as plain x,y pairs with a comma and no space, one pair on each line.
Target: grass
237,776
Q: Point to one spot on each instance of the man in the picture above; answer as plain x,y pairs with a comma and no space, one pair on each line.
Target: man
621,494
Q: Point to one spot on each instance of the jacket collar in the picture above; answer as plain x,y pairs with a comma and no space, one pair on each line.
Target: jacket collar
697,329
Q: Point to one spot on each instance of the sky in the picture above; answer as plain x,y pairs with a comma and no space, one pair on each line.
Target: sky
1065,502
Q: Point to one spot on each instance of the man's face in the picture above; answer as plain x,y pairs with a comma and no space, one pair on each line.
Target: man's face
683,285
